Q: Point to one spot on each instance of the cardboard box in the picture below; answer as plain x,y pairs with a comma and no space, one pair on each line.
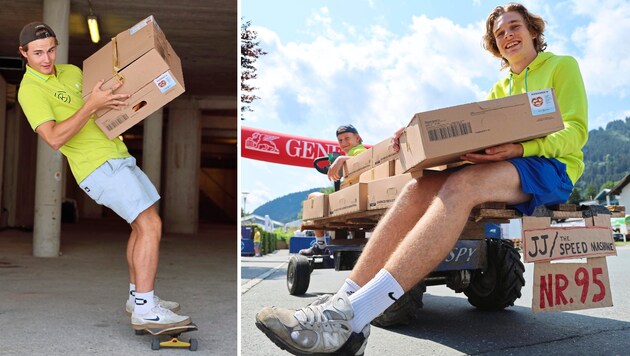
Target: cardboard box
358,164
383,152
441,136
348,200
381,171
382,193
145,62
315,207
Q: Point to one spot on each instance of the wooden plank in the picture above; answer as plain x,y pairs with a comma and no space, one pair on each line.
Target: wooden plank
479,214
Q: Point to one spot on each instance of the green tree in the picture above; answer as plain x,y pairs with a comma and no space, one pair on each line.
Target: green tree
250,52
575,197
608,185
328,190
590,192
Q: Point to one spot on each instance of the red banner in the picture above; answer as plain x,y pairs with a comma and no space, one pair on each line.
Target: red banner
284,149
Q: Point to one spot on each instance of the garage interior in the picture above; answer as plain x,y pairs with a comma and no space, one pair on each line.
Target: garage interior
198,265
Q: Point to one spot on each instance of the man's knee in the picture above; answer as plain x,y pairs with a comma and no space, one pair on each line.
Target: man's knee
148,223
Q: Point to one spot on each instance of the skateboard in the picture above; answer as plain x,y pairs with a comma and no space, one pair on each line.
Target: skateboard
173,337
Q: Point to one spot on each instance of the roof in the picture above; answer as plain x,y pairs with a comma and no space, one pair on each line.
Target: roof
616,190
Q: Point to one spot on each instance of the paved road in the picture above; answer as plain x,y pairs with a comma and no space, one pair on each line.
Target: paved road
448,325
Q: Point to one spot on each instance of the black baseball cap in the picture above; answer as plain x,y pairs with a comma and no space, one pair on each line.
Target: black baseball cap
35,31
346,128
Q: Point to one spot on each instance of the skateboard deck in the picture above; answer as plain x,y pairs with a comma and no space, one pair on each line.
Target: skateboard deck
176,330
173,334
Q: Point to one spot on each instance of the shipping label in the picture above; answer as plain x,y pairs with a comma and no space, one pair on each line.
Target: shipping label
541,102
137,27
439,130
165,82
112,124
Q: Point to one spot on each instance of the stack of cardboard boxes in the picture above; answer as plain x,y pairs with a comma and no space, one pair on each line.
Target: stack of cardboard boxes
374,178
144,61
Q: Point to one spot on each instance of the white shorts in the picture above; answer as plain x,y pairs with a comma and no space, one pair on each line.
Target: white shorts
121,186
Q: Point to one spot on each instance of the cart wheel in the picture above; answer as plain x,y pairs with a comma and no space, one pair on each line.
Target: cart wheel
155,344
193,344
298,275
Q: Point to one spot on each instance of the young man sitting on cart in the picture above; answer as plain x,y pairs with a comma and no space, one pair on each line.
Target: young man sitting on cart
351,143
427,218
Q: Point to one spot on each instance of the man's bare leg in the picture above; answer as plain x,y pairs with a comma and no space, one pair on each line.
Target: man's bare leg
408,208
435,234
147,229
130,246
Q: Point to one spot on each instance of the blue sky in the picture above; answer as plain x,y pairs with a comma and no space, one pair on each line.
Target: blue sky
374,63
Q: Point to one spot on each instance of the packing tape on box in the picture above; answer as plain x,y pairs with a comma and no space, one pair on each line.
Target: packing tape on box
116,62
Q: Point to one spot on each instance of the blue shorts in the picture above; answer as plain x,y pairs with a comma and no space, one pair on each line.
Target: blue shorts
545,179
121,186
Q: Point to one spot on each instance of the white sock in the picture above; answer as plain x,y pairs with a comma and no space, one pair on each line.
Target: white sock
349,287
144,302
132,292
373,298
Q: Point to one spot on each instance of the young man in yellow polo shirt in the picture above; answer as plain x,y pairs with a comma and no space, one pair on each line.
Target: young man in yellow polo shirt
352,144
50,96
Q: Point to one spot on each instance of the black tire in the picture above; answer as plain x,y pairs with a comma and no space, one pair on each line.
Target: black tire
499,285
298,275
404,310
193,344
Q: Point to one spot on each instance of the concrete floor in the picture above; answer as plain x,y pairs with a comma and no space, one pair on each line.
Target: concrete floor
74,304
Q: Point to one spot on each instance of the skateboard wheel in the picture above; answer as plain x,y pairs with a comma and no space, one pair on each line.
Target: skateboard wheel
155,344
193,344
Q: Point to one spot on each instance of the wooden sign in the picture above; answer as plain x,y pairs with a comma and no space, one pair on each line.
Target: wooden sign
556,243
571,286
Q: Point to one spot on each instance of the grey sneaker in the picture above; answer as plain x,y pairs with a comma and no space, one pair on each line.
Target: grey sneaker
158,317
321,300
172,306
315,329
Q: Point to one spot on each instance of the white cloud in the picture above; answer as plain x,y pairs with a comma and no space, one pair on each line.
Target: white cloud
603,119
605,62
369,77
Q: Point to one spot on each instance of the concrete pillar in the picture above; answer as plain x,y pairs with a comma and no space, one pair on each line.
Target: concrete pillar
152,150
181,198
48,183
3,122
11,164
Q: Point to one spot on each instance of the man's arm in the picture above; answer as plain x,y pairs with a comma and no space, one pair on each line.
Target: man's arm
58,134
333,171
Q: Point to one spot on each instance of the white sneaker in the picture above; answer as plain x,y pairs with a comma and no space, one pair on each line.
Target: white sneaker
172,306
158,317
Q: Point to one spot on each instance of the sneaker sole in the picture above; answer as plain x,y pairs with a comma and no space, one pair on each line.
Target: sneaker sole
286,347
174,310
160,326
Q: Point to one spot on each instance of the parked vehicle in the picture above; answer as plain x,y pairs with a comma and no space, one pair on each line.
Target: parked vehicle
617,237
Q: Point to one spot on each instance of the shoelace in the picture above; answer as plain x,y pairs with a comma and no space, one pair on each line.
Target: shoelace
157,309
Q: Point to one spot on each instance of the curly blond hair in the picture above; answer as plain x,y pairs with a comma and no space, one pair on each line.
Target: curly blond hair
535,25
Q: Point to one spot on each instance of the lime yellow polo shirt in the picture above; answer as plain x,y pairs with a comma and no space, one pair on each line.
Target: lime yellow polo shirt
562,73
57,97
356,150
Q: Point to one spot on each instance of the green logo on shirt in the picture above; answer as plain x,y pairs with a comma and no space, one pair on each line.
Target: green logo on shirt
63,96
